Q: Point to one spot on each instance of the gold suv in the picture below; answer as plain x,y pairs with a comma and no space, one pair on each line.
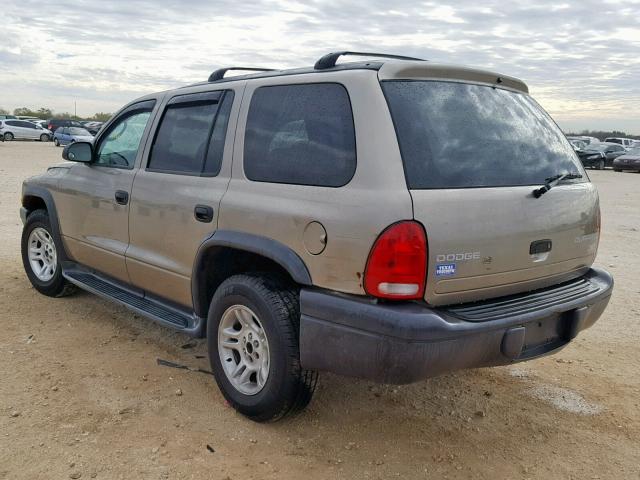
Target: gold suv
390,219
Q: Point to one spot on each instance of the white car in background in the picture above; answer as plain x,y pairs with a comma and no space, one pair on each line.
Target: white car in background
23,130
627,143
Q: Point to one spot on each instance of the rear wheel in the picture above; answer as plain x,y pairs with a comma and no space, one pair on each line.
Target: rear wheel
40,256
44,137
8,136
252,335
56,142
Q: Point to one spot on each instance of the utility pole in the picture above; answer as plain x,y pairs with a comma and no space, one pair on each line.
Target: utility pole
75,109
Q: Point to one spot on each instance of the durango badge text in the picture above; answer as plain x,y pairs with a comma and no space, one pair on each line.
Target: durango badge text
256,211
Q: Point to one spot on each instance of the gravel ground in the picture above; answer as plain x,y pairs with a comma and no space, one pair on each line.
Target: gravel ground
81,394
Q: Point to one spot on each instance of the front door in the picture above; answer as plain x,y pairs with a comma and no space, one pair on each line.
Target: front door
93,199
177,192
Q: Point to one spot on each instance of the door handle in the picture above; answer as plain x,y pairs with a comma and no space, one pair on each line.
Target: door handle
122,197
203,213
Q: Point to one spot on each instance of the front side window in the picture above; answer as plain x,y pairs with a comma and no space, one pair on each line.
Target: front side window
458,135
119,147
191,136
300,134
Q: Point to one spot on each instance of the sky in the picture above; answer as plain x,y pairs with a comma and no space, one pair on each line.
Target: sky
581,59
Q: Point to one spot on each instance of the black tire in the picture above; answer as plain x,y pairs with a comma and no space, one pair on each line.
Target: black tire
617,170
44,137
57,286
56,142
288,387
8,136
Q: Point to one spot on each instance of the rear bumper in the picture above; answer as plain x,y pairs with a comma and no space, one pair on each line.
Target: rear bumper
404,343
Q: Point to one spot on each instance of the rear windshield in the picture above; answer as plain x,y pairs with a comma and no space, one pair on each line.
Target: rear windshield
457,135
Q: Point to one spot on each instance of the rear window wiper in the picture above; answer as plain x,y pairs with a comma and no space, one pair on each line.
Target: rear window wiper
553,181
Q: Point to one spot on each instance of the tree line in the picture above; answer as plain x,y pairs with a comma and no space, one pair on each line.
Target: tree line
47,113
602,134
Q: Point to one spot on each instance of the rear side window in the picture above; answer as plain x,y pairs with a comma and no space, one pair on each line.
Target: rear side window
191,135
300,134
457,135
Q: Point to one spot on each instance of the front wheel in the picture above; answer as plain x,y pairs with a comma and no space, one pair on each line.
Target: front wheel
44,137
40,256
252,336
56,142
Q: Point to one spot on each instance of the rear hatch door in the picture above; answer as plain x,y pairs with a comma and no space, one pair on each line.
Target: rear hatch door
473,156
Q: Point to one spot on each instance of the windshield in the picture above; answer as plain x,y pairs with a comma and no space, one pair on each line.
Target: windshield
457,135
634,151
79,131
601,147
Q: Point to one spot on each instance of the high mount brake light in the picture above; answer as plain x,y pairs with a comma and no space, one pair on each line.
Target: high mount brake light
397,264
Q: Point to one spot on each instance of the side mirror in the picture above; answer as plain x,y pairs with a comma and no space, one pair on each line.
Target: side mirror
78,152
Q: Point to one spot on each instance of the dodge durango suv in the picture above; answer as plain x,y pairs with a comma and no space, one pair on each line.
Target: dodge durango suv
389,219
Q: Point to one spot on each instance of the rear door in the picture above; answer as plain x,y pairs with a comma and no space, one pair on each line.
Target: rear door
473,156
16,128
177,192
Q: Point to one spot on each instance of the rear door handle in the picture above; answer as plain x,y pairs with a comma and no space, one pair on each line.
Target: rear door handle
203,213
122,197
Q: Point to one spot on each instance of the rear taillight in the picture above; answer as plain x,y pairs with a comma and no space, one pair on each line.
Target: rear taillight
397,264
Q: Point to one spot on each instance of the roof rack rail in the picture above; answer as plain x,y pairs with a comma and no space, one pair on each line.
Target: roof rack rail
330,59
219,74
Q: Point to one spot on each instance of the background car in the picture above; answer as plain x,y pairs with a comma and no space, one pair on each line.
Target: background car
578,144
625,142
28,119
628,161
54,124
23,130
601,155
67,135
93,127
584,138
8,117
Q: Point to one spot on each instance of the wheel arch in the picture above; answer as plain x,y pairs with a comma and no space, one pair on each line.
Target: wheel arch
35,198
228,252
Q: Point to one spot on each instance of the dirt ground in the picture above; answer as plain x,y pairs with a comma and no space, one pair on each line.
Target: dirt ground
81,394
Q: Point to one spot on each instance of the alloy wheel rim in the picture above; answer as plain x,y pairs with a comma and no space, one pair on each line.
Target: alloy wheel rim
244,349
43,258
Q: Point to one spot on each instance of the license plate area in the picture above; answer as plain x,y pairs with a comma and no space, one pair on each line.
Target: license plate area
547,334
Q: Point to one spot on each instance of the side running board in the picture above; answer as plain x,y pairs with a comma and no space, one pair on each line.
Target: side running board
138,302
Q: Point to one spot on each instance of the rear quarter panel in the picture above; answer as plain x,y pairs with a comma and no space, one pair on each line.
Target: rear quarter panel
353,215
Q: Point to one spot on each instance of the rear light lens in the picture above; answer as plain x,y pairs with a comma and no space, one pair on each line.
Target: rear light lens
397,264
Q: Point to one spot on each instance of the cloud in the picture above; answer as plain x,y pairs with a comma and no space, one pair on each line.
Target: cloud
580,58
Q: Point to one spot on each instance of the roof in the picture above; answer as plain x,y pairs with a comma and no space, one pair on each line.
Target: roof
389,67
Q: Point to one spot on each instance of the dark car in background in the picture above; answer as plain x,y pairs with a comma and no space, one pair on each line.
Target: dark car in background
628,161
55,123
600,155
93,127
